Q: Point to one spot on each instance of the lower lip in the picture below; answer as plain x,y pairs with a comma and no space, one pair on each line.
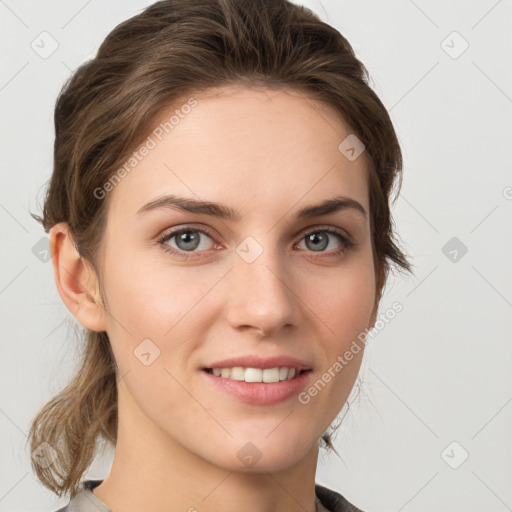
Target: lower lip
260,393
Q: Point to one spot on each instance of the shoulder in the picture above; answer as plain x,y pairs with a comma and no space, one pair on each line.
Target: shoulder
334,501
84,500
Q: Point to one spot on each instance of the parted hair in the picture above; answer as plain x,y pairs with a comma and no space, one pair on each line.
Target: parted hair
172,49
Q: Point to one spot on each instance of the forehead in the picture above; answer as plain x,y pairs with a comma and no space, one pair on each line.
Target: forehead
258,150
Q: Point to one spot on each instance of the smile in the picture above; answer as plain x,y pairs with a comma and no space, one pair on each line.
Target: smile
268,375
258,392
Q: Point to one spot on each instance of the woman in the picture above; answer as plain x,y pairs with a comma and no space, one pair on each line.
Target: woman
220,225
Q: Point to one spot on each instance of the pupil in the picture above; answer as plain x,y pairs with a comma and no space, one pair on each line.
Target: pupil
315,236
188,237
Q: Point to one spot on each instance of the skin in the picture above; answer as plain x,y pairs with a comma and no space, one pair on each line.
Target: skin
267,154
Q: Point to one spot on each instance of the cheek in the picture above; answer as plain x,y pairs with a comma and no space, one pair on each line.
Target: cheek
151,302
342,310
345,306
148,300
150,309
345,303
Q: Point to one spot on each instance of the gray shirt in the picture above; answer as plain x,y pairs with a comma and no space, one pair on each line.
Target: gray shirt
84,500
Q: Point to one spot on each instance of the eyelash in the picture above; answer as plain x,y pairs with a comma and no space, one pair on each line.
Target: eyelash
346,242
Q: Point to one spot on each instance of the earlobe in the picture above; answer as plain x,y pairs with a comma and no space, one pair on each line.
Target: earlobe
75,279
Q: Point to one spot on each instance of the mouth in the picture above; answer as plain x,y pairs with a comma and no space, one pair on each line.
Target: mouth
257,386
257,375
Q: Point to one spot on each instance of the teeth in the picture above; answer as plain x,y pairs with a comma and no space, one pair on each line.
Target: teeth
256,374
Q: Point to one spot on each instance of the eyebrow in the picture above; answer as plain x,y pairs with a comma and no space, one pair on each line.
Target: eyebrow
174,202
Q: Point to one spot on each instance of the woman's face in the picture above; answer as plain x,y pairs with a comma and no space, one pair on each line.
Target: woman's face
267,283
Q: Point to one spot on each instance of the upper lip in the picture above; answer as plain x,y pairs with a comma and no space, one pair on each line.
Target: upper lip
254,361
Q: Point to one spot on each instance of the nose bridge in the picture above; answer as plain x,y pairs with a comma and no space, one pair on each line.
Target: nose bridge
263,298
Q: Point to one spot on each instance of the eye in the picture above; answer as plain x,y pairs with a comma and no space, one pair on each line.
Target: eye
319,239
188,239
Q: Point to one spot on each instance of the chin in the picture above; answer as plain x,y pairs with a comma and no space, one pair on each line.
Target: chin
261,454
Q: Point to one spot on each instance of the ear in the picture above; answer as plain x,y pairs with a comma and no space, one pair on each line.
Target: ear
76,280
380,273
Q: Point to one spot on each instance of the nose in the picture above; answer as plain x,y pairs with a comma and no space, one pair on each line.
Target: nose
261,295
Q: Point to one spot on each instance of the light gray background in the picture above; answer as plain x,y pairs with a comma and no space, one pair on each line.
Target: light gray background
439,372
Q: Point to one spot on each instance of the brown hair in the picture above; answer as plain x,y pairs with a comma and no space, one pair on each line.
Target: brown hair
104,111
